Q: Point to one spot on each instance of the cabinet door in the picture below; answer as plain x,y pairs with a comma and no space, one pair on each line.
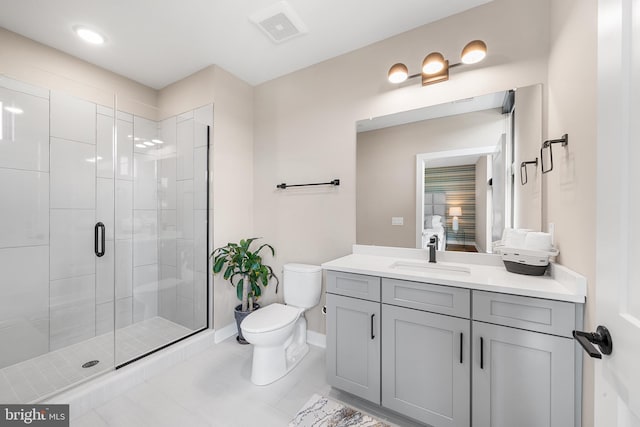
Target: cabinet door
521,378
353,346
426,366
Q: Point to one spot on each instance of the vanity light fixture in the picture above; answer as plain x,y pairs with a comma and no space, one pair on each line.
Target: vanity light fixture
88,35
435,68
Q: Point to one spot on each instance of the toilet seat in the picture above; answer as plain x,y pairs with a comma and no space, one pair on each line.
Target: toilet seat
270,318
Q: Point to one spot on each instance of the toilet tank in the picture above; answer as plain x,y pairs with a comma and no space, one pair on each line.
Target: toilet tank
302,285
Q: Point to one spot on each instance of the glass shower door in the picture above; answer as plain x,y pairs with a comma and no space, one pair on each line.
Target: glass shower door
162,227
56,286
103,235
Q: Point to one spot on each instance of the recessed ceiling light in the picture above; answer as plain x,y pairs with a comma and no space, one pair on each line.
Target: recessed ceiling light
141,146
148,143
14,110
157,141
89,36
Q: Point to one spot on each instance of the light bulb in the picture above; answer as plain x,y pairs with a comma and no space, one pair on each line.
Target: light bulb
433,63
398,73
475,51
89,36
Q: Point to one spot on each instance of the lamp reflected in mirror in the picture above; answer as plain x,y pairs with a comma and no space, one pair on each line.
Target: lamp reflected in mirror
455,212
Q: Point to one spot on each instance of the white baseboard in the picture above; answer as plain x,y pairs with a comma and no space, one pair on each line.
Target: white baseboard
225,332
317,339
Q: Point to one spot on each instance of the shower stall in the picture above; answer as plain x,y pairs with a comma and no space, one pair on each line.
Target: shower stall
103,236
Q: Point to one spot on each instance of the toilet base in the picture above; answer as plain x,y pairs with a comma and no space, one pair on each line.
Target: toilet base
272,363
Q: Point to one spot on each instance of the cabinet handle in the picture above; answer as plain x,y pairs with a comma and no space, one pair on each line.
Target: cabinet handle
461,341
481,353
372,335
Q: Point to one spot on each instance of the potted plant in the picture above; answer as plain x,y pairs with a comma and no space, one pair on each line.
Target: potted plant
245,270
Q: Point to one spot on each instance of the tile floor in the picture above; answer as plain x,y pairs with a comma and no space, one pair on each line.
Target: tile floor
213,388
34,379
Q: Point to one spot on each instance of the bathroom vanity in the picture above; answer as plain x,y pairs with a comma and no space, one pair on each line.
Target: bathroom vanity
455,341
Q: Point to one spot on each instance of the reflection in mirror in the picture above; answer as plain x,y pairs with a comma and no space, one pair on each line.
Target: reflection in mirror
460,197
446,171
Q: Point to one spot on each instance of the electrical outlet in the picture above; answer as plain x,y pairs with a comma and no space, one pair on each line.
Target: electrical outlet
397,220
552,231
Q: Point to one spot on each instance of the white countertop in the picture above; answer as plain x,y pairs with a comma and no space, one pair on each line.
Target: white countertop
486,272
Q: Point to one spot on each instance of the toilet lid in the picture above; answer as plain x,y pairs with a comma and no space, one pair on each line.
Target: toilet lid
269,318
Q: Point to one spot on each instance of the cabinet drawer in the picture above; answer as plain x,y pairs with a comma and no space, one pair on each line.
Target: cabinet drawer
353,285
535,314
427,297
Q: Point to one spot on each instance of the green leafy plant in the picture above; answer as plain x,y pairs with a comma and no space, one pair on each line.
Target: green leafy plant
244,267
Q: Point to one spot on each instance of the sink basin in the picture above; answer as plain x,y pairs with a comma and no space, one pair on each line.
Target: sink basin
428,267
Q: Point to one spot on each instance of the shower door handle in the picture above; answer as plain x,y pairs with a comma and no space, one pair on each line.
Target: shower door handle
98,246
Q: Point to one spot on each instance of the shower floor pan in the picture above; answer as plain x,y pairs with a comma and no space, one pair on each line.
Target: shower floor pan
40,377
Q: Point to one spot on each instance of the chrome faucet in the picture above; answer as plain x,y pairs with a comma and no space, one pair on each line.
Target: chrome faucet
433,247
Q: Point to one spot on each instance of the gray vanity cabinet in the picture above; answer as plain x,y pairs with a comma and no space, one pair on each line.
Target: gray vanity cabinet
353,334
454,357
426,366
523,378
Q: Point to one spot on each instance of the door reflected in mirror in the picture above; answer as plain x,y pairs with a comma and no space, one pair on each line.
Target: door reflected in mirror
461,198
444,173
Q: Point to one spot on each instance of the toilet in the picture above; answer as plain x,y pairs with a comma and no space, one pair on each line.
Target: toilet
278,332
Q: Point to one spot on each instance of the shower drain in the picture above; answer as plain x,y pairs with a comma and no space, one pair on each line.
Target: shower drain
90,363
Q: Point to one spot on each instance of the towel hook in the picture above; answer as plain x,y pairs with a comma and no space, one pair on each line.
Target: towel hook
523,167
564,141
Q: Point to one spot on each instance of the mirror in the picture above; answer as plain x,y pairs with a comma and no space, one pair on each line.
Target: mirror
451,171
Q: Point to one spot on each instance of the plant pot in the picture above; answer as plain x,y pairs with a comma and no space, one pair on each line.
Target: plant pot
240,315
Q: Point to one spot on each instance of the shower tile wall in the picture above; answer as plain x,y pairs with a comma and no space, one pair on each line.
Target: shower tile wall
118,228
183,214
72,217
124,221
167,248
24,222
145,221
57,180
203,118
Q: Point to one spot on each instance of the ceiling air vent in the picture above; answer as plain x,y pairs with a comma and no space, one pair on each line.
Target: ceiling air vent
279,22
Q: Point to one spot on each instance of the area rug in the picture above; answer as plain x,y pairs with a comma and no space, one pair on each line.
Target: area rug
321,411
